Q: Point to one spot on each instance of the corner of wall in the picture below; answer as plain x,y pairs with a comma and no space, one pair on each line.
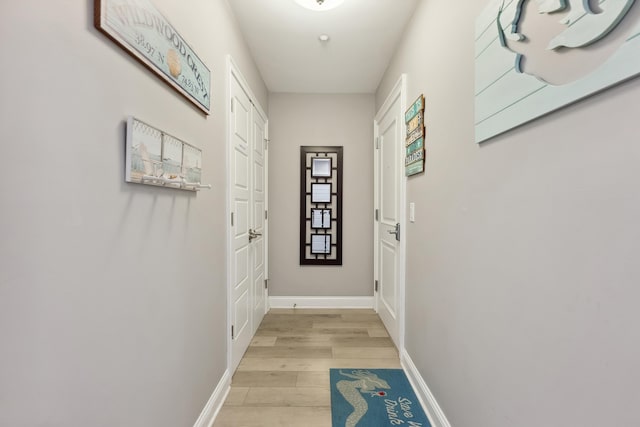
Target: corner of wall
427,399
215,402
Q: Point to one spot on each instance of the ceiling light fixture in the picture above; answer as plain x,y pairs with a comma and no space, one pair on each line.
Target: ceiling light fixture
319,5
323,37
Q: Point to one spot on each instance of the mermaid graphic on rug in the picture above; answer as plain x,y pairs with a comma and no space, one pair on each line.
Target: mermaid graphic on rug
364,382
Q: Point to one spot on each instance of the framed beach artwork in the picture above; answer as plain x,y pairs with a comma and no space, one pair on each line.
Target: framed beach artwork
154,157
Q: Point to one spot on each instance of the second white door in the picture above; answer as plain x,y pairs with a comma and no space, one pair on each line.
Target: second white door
388,233
248,227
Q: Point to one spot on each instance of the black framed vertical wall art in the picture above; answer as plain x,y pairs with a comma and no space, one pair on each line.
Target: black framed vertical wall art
321,205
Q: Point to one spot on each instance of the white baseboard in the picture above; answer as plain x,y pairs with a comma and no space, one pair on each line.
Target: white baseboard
213,406
321,302
428,401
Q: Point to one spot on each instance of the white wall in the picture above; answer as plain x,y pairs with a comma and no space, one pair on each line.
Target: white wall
112,295
522,281
297,120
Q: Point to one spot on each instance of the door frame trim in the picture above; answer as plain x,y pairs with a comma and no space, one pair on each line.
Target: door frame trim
232,72
399,90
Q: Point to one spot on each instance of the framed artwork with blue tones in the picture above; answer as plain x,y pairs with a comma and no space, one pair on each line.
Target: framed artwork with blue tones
536,56
153,157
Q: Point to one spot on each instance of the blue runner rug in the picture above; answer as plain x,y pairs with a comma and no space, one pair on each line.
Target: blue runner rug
374,398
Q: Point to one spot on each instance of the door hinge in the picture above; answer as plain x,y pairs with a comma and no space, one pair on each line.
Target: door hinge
232,335
377,215
232,105
375,286
266,283
232,219
266,215
377,142
266,143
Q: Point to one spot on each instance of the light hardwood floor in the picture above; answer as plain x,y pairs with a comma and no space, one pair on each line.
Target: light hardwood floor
283,379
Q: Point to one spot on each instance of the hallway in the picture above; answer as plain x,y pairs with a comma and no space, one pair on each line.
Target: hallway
518,265
283,379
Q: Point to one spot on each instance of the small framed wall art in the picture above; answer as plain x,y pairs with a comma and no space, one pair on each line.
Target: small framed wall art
321,218
321,167
321,193
321,244
154,157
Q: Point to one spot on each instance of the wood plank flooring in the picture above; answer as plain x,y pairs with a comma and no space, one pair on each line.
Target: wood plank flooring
283,379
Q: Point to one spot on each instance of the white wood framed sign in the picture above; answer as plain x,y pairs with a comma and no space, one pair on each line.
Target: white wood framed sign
415,151
141,30
534,57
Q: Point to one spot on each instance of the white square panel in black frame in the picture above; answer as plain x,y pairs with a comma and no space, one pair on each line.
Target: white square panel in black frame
320,218
320,193
320,243
321,167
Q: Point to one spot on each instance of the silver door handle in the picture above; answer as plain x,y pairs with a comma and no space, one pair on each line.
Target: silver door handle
395,231
253,235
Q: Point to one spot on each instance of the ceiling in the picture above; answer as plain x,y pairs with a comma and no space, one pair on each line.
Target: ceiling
283,39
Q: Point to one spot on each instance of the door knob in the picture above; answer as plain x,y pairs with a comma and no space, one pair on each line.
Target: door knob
253,235
395,231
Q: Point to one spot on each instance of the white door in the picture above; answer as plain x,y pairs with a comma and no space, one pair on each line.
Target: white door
240,163
389,132
247,194
258,201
